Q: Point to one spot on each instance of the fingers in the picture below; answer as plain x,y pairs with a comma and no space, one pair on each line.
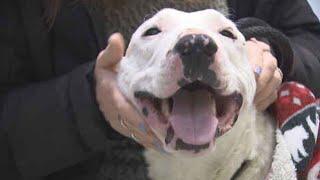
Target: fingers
119,112
134,121
136,127
269,94
268,75
116,111
254,54
125,119
261,44
113,53
126,108
142,134
268,69
263,105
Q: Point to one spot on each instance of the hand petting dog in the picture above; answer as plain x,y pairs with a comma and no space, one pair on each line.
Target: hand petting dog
268,75
125,119
117,110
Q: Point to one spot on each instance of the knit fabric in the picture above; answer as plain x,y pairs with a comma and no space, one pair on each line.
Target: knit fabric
297,115
282,167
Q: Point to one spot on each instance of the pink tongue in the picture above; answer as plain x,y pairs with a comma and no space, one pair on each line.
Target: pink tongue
193,118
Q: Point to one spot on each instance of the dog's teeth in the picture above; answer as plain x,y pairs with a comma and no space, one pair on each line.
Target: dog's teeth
165,108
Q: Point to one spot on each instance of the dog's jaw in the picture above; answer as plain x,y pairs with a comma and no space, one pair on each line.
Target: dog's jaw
192,118
150,66
250,140
147,68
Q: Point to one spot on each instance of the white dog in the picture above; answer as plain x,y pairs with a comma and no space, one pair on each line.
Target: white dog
188,73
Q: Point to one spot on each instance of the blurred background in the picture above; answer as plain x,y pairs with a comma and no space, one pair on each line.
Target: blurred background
315,4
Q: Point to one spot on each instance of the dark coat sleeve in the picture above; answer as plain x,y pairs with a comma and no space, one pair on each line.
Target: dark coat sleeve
49,125
54,124
297,21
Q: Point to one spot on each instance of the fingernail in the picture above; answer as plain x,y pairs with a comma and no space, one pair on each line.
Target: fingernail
110,38
142,128
258,70
253,39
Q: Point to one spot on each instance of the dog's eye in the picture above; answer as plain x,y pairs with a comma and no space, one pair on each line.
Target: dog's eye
228,34
152,31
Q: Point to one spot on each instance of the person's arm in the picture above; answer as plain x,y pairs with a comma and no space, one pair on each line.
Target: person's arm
45,126
53,125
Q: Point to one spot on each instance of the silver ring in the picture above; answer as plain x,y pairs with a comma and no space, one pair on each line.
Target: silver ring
122,122
133,137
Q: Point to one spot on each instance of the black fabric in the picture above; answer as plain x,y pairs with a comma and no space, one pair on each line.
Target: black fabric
49,119
279,43
50,125
67,39
127,16
297,21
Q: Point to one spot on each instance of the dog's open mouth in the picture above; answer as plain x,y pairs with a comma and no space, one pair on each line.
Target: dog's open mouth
192,118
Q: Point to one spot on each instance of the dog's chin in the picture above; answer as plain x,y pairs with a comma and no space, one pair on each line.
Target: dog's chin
189,121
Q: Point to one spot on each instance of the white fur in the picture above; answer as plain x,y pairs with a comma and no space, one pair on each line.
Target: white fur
250,140
282,165
147,67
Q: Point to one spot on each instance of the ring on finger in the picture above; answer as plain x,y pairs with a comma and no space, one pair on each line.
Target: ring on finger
122,123
134,137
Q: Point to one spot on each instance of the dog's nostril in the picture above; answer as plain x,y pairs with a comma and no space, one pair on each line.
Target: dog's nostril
210,48
196,44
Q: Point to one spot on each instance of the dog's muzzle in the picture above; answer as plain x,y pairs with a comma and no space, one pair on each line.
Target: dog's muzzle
195,113
197,53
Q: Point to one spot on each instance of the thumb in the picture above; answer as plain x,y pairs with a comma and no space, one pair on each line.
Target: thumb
113,53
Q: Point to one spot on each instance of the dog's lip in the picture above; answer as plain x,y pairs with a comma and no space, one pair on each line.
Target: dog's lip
226,117
190,86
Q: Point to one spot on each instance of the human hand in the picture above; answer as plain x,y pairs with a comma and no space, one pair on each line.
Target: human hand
117,110
268,75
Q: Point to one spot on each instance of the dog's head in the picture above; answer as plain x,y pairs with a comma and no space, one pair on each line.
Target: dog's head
189,75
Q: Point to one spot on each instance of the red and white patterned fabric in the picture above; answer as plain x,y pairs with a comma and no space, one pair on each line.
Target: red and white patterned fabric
297,115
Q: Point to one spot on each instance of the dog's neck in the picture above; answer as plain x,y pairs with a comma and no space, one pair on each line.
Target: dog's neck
126,15
233,150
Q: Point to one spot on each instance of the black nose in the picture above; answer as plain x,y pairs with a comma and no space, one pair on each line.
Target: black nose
196,45
197,54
